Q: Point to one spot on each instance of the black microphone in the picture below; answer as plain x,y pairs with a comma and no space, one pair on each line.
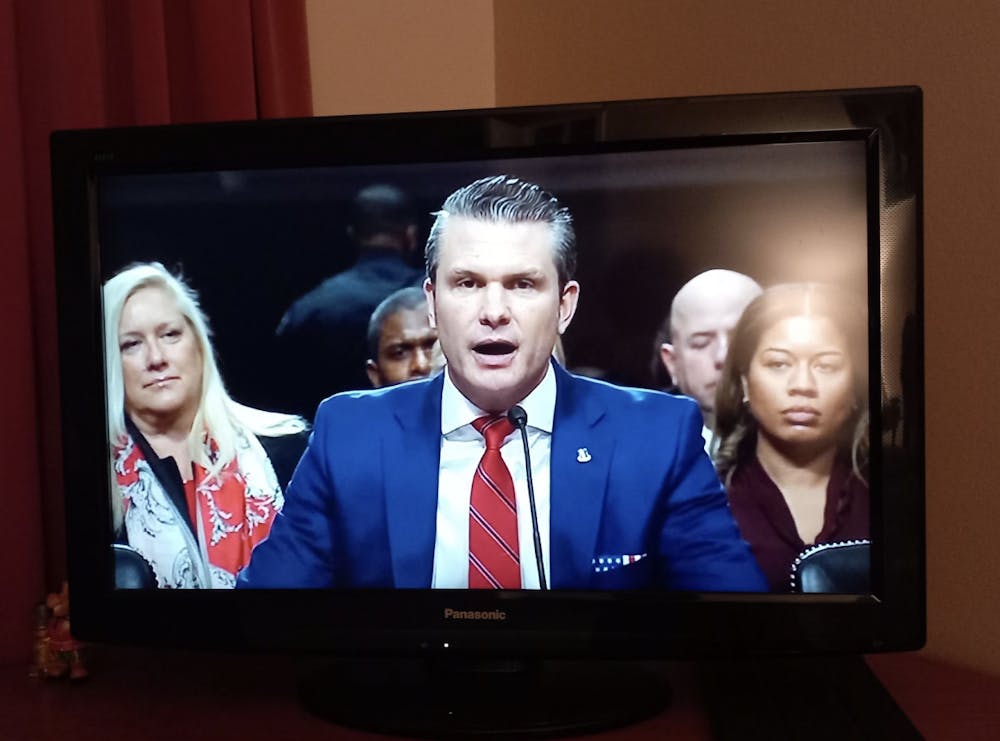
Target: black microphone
519,418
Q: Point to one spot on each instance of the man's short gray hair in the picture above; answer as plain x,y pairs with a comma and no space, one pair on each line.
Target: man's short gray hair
503,198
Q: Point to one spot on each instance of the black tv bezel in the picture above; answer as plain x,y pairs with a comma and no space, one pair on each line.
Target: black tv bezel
552,624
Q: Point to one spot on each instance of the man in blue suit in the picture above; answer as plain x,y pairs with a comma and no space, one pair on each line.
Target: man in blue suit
426,484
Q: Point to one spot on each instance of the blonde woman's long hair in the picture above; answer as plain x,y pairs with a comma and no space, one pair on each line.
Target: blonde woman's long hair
735,427
223,419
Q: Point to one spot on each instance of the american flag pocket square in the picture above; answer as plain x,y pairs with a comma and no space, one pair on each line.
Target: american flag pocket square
612,562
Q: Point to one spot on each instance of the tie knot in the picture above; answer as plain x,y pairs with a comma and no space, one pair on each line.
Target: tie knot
494,429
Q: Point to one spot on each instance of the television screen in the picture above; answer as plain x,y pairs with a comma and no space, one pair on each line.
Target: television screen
741,297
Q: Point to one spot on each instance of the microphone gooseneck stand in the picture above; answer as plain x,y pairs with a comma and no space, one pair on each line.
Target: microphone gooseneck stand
519,418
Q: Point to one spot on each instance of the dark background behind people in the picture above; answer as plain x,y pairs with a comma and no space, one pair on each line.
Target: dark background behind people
643,230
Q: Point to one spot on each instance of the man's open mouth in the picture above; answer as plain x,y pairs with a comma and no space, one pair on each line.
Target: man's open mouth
495,347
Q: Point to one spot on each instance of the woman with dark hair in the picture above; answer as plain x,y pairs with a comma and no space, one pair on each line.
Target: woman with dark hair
792,421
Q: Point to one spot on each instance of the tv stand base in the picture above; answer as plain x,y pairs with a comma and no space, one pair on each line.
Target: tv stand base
451,699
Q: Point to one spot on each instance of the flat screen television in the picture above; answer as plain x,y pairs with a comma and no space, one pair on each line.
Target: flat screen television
787,188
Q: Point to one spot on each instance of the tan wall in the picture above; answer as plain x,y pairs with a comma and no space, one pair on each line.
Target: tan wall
400,55
575,50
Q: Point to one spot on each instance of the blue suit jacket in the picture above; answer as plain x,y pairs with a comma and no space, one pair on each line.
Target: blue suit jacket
362,505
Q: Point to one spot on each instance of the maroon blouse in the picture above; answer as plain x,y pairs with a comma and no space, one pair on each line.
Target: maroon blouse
766,522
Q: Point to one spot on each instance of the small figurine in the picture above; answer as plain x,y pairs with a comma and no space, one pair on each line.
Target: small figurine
41,653
57,653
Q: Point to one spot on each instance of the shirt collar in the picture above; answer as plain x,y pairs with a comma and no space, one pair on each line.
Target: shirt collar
540,405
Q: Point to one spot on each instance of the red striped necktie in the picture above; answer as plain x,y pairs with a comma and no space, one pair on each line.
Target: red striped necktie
493,554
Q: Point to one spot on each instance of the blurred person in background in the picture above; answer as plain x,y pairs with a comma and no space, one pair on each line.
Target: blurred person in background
323,334
694,337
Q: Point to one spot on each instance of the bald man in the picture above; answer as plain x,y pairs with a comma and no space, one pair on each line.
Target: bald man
702,316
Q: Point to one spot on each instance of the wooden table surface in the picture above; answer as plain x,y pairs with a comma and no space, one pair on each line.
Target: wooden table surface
154,695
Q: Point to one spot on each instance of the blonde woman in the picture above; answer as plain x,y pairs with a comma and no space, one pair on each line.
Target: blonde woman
197,477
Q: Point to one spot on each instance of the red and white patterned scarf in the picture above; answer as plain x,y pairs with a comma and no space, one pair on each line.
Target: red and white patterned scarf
234,511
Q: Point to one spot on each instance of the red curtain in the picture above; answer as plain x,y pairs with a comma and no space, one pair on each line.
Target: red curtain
90,63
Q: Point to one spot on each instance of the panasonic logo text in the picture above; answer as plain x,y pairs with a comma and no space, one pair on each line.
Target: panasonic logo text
495,615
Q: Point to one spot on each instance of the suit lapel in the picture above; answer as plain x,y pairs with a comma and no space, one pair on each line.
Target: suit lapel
580,465
410,461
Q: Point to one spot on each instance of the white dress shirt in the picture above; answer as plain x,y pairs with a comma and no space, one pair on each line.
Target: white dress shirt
708,436
462,448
